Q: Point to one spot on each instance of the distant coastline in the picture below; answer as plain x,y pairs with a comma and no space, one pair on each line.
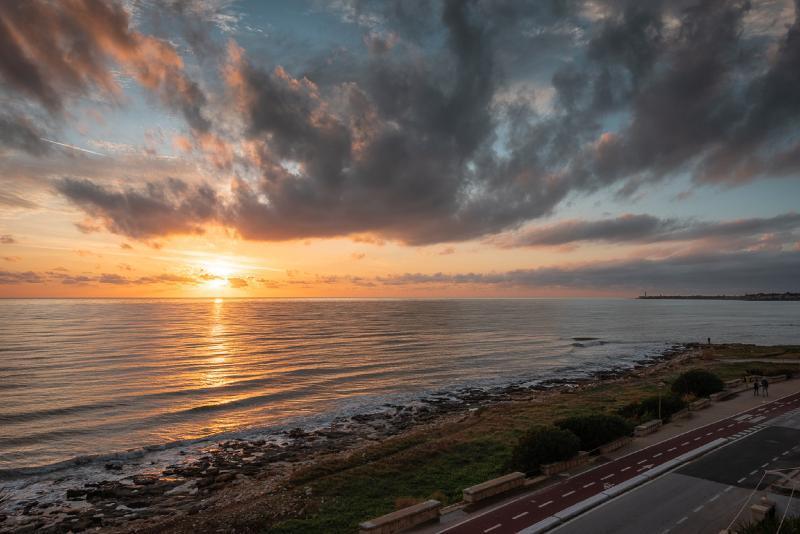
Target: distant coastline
750,296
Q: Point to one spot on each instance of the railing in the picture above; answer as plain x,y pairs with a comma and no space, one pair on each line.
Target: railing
647,428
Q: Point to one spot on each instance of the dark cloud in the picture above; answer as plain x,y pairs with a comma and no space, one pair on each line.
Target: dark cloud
168,207
20,133
432,136
56,51
647,228
65,277
712,273
28,277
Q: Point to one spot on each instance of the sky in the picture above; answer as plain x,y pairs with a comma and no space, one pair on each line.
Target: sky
414,148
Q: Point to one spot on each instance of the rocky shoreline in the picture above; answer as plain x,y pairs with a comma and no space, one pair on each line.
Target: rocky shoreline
224,470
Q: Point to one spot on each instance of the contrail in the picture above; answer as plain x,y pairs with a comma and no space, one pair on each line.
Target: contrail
73,147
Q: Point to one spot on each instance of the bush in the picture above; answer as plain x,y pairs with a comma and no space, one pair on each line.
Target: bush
595,430
544,445
647,408
697,382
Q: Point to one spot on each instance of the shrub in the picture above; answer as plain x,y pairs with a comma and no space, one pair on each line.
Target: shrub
597,429
647,408
697,382
544,445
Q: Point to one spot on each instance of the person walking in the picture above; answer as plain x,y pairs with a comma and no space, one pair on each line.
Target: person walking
765,386
755,388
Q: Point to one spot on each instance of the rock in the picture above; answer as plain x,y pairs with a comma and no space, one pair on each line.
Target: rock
75,494
114,466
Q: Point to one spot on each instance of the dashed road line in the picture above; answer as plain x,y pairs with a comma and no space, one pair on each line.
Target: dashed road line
545,504
672,449
741,480
567,494
657,454
626,468
498,525
587,485
698,508
726,490
607,476
681,520
640,463
684,443
523,514
714,498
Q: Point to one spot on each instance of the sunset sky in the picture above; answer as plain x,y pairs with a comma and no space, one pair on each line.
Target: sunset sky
204,148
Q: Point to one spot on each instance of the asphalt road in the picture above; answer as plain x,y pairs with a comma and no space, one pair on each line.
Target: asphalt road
534,510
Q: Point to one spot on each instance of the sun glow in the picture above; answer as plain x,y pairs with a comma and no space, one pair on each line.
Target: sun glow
216,273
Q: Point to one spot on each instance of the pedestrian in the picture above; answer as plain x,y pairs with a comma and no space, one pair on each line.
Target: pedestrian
709,341
755,388
765,386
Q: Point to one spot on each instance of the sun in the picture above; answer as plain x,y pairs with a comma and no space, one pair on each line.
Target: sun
217,272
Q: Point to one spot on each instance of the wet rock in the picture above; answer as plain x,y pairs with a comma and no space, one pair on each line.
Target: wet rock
113,466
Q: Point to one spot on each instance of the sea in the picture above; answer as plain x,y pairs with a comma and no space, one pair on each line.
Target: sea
85,380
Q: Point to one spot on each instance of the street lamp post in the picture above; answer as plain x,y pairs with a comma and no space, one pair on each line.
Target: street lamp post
660,385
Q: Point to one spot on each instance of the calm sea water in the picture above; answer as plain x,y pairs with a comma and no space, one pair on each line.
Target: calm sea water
84,377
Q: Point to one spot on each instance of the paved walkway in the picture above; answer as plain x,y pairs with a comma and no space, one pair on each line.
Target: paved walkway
651,456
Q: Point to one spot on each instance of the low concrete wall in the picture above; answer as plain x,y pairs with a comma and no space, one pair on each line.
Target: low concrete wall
647,428
777,378
615,445
699,404
680,414
731,384
402,519
722,395
493,487
576,461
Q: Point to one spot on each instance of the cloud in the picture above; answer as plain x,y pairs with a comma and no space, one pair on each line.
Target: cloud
7,239
645,229
237,283
160,208
54,51
28,277
728,273
430,135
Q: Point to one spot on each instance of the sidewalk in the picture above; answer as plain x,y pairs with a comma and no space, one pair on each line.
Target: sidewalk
716,411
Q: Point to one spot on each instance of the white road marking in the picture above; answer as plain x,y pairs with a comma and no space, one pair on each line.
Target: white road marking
607,476
545,504
567,494
726,490
785,453
640,463
741,480
520,515
775,458
698,508
587,485
765,464
681,520
684,443
657,454
698,437
672,449
732,424
714,498
626,468
492,528
754,471
708,434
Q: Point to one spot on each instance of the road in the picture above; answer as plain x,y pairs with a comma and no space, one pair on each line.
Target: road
535,511
703,496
